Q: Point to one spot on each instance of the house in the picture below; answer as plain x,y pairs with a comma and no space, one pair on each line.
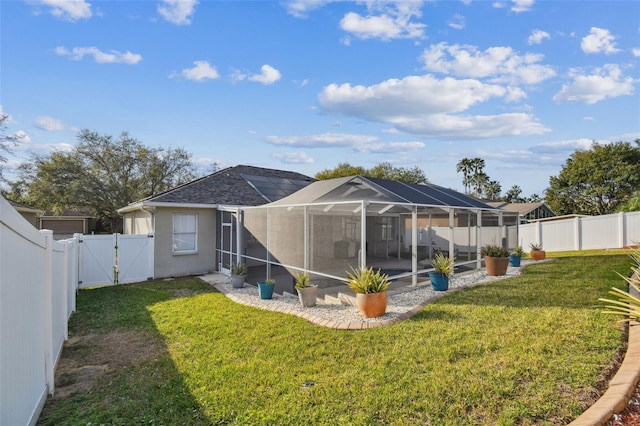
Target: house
193,225
527,211
69,222
29,213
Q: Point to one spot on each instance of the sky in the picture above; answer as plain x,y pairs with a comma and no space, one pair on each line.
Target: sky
306,85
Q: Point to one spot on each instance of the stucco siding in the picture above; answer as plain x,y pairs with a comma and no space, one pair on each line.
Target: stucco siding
140,222
170,264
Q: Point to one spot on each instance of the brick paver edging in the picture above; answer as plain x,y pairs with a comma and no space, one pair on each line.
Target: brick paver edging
621,386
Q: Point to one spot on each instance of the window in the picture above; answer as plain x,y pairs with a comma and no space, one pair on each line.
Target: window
185,233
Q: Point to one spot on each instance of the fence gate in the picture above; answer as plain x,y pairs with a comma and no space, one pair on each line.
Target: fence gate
114,259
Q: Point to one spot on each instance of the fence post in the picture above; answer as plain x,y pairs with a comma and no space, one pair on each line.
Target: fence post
538,239
622,230
49,362
577,224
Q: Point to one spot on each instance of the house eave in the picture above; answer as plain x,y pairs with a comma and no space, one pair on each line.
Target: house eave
150,205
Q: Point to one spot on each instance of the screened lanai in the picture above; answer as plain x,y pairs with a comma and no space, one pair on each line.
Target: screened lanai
331,226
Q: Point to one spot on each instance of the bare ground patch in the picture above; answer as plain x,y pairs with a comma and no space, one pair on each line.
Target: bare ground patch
87,358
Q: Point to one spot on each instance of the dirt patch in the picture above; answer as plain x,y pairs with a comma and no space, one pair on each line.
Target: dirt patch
87,358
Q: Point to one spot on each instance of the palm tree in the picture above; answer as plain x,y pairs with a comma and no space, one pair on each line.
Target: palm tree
480,181
492,190
466,167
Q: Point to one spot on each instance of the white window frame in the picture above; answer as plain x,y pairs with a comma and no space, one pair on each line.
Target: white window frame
188,232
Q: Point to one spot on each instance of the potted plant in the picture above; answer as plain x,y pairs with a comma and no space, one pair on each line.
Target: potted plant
371,290
265,288
536,252
442,271
496,259
516,257
306,292
238,274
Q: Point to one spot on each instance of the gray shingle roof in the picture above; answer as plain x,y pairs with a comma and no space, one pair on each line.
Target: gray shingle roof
356,188
227,186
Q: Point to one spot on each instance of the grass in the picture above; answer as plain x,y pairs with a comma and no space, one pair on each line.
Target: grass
525,350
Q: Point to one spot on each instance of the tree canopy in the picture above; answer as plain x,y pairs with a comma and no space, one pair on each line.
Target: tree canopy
381,171
7,141
596,181
101,174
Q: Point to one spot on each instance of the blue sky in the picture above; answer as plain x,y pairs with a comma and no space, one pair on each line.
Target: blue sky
305,85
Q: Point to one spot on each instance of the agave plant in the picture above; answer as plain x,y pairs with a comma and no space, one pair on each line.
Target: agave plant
626,304
302,280
443,264
366,280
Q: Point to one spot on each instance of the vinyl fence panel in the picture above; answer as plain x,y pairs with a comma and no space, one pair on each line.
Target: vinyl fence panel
615,230
35,289
97,260
135,258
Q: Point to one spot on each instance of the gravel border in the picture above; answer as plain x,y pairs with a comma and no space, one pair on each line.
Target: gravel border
402,303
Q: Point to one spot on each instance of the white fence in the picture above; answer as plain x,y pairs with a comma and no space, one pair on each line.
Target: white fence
38,279
115,259
616,230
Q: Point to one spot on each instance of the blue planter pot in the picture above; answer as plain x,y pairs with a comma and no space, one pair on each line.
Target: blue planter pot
514,260
439,281
265,290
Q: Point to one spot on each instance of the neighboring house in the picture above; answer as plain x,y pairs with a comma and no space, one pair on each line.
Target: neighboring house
67,223
193,224
527,211
29,213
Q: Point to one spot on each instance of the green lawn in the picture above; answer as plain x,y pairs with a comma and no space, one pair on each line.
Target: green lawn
525,350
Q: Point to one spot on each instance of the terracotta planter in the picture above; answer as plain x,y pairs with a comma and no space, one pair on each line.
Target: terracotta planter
308,296
538,254
496,266
372,305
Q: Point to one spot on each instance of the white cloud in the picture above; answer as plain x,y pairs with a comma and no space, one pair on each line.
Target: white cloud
446,126
357,143
298,157
502,64
48,123
522,5
111,57
69,10
457,22
301,8
389,148
177,12
200,72
386,21
324,140
564,148
537,36
427,106
599,40
636,52
603,83
268,75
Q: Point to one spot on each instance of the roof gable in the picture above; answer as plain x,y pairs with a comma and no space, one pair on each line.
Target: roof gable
233,186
